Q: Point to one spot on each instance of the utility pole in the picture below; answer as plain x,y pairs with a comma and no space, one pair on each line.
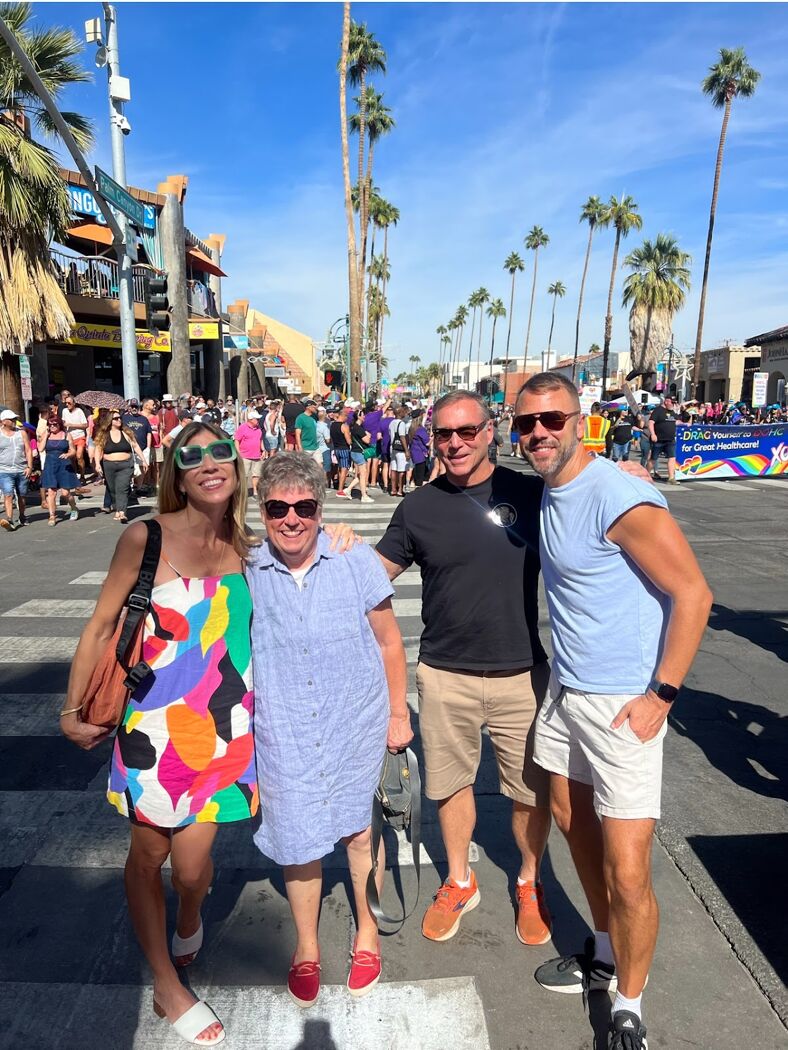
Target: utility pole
119,93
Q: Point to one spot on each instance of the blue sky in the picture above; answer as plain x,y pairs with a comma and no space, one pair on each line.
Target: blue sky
508,115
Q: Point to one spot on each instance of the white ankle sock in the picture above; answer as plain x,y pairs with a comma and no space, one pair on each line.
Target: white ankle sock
602,947
622,1003
465,883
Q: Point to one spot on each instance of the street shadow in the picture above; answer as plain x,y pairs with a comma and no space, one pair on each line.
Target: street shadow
762,628
749,871
316,1036
747,742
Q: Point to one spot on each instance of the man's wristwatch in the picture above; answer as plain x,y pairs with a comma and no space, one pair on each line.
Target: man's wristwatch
665,692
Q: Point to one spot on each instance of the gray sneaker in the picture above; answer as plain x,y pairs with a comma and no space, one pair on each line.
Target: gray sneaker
578,974
627,1032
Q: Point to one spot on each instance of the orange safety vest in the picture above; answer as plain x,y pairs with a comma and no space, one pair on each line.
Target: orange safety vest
595,432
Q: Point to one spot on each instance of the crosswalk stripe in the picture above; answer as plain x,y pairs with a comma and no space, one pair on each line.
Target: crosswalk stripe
89,579
409,578
16,650
417,1014
82,608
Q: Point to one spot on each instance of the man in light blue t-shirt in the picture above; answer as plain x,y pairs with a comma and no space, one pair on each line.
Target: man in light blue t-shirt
628,606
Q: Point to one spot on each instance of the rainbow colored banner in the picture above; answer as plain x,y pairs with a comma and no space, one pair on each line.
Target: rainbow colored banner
730,452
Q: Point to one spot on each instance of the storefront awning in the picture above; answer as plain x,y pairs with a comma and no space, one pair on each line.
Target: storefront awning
200,261
91,231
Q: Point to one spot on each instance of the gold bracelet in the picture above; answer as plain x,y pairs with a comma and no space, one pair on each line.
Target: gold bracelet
72,710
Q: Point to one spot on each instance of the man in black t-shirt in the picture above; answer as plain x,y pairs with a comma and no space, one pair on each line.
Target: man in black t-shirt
474,532
292,410
662,430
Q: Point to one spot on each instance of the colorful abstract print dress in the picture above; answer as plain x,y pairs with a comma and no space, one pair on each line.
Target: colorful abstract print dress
184,751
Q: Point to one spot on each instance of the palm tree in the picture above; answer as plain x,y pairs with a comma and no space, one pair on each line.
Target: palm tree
535,240
592,212
440,331
623,214
34,205
354,285
731,76
434,376
451,326
654,291
481,296
474,304
513,265
389,216
558,291
461,318
495,310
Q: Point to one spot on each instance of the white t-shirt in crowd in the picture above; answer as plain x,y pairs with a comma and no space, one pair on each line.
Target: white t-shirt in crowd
72,417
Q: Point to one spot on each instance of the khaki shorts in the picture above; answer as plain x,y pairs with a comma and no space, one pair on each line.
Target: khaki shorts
253,467
574,739
453,708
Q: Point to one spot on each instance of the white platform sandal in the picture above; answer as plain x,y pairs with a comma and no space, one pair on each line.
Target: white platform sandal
196,1019
187,945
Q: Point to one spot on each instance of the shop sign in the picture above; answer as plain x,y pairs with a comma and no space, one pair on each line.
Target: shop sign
84,203
731,452
203,329
236,342
760,385
774,353
109,336
275,372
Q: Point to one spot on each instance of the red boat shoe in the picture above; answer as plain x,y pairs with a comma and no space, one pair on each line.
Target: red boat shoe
364,973
303,983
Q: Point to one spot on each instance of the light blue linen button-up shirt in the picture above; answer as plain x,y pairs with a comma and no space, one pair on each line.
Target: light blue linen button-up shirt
321,702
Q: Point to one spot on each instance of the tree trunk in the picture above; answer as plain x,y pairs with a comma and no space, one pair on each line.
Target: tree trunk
470,348
508,337
580,300
479,346
354,313
173,239
531,309
609,314
492,353
649,334
706,261
550,337
11,383
385,282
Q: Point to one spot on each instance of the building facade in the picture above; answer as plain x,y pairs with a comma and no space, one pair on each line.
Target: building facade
774,361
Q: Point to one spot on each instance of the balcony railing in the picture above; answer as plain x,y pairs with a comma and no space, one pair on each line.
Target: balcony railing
95,277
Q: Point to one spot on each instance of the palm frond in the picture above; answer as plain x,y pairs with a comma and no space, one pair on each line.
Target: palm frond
80,127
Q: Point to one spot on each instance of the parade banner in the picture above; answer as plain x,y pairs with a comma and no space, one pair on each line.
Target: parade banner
708,451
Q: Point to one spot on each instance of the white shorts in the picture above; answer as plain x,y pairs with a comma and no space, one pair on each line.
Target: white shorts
399,462
574,739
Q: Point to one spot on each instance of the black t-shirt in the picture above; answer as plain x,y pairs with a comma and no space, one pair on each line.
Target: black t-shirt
337,437
212,415
139,426
480,578
622,432
357,435
664,420
291,412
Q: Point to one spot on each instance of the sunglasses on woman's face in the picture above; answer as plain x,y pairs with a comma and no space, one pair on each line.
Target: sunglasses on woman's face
116,419
304,508
552,421
190,456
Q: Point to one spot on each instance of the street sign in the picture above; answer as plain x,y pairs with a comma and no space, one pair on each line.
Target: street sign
24,366
114,194
275,372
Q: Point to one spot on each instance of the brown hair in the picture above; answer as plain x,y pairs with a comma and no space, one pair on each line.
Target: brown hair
544,381
102,433
171,498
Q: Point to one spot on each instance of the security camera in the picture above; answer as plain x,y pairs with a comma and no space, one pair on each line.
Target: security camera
122,122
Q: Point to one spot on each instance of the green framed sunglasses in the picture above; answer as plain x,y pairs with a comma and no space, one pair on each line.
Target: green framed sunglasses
190,456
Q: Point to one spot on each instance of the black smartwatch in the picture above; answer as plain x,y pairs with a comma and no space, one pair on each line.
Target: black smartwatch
665,692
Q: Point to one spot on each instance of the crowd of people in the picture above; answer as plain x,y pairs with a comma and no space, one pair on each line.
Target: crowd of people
238,718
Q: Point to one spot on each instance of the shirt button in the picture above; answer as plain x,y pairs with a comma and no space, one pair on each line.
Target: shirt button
309,682
317,744
314,714
306,650
325,801
322,774
305,586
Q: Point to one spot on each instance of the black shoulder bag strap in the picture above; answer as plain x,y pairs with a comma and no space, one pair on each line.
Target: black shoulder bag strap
137,606
373,899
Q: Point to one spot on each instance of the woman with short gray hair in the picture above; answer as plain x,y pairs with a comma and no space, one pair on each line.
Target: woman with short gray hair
329,697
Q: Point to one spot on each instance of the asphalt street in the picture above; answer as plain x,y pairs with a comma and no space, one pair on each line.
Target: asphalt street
72,976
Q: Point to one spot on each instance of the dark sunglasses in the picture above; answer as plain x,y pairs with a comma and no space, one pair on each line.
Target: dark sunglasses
467,433
304,508
553,421
190,456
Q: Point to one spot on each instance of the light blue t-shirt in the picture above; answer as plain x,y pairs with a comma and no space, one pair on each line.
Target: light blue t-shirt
608,620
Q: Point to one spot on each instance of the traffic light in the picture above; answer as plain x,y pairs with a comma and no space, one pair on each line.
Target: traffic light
157,305
333,380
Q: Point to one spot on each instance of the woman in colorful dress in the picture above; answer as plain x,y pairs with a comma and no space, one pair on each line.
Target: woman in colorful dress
183,758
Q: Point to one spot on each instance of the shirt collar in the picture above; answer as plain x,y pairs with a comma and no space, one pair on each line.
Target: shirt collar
265,558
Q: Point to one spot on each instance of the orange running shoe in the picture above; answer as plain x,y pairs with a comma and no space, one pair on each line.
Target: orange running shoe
442,919
534,925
